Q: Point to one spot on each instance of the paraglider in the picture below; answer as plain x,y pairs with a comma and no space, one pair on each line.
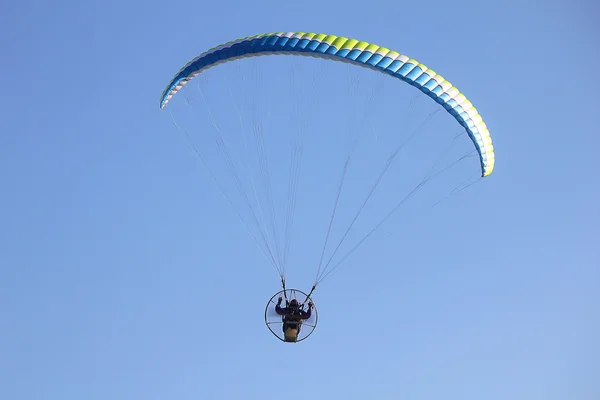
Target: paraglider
294,322
298,317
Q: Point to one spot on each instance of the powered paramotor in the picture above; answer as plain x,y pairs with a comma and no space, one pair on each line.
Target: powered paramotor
282,136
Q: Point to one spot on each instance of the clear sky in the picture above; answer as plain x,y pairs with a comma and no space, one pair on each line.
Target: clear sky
124,275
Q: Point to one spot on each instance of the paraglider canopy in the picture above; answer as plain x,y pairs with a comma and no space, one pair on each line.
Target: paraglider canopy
288,325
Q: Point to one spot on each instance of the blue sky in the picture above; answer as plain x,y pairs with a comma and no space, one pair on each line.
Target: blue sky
124,275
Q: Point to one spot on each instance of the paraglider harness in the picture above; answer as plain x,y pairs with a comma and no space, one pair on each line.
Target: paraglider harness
292,322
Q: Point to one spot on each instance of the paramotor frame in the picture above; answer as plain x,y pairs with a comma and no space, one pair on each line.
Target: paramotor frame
275,322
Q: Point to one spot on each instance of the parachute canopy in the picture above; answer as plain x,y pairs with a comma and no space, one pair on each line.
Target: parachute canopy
350,51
